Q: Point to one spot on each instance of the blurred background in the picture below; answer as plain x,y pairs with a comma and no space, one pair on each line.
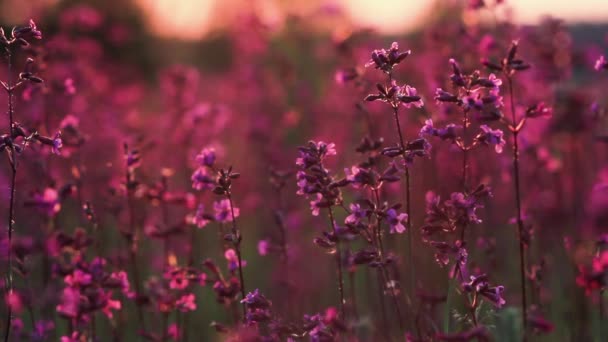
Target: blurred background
255,79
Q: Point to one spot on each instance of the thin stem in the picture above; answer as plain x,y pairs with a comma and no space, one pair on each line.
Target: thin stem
339,262
408,210
600,312
448,304
284,257
133,254
11,210
520,222
383,269
237,247
465,165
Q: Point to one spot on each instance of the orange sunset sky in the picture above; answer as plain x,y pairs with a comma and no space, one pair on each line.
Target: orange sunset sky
192,19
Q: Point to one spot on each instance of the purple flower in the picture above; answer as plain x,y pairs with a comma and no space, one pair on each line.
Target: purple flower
490,136
200,219
356,214
314,153
57,143
223,212
396,221
256,300
202,180
443,96
233,260
186,303
491,82
480,285
428,129
302,183
206,157
386,60
409,97
314,205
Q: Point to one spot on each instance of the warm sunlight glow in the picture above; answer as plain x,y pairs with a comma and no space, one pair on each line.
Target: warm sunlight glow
192,19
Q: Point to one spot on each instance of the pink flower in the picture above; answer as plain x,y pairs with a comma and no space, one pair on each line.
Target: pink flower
14,301
199,218
233,259
173,332
186,303
263,246
78,278
111,304
356,214
223,212
206,157
70,300
396,221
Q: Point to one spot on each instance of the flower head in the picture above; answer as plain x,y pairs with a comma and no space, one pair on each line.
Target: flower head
396,221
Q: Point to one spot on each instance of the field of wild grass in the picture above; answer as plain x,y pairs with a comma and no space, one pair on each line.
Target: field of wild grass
449,184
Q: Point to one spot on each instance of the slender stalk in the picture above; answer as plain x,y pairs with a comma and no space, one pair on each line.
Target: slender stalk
237,247
284,256
520,222
339,262
600,313
133,254
383,270
11,210
448,304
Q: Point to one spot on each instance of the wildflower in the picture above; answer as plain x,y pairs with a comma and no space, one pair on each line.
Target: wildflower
111,304
356,214
201,219
206,157
444,96
256,300
178,278
491,82
601,63
233,260
480,285
314,153
26,32
386,60
186,303
396,221
490,136
70,302
202,180
263,247
315,205
223,211
408,97
57,144
78,278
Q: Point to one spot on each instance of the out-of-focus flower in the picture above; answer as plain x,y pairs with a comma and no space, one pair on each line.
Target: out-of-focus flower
356,214
186,303
601,63
489,136
206,157
396,221
223,211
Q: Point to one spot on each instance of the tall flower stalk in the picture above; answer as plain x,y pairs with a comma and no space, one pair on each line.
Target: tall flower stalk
473,94
17,139
509,66
397,96
313,179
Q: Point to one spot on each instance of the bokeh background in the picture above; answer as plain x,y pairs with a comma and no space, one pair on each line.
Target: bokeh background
256,79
